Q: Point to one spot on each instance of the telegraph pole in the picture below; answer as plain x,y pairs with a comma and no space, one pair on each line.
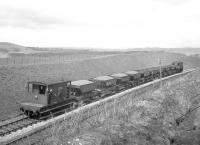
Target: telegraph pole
160,72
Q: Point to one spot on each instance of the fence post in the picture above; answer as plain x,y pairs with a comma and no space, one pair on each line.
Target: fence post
29,142
59,59
7,60
114,110
33,59
160,73
14,60
105,109
98,114
22,60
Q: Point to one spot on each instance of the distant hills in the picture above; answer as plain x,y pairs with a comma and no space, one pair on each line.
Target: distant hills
7,48
10,49
186,51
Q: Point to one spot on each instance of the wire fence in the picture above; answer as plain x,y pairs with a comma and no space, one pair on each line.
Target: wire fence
37,60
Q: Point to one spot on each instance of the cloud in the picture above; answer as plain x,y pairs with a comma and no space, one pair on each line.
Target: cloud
26,18
105,23
173,2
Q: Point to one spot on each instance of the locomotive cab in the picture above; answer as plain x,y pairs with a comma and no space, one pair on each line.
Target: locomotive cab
38,90
36,97
39,95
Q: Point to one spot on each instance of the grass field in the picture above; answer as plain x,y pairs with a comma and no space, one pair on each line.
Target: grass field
13,78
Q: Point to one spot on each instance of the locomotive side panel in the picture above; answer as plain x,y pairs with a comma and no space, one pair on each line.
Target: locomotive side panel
57,92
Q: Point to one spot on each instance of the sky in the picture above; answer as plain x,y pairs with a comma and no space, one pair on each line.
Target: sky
101,24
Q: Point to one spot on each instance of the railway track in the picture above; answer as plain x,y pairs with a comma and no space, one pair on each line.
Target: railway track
22,121
14,124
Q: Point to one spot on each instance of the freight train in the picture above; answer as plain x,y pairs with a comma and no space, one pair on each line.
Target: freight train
47,98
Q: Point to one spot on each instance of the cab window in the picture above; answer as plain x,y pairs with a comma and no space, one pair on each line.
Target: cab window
39,89
42,89
35,88
30,87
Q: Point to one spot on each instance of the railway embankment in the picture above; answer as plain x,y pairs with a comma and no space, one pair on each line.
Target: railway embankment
82,117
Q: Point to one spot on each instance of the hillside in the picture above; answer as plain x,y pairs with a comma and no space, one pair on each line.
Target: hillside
13,79
7,48
196,55
186,51
11,49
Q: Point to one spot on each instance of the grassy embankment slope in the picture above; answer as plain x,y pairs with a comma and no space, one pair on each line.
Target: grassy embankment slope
13,79
152,120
